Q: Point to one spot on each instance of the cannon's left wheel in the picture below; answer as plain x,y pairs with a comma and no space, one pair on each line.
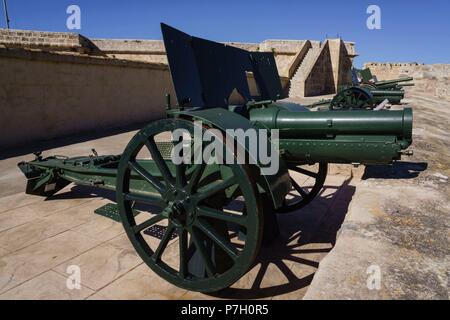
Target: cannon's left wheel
307,181
199,210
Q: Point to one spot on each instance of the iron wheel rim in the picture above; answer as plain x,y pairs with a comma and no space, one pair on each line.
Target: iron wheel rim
252,222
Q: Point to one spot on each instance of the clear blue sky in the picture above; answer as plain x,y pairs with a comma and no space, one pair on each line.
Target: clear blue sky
411,30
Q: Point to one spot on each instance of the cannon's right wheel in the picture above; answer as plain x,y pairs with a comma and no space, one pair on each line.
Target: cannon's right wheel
307,181
199,210
353,98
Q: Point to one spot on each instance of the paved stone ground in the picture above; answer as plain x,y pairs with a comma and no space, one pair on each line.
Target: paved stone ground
400,224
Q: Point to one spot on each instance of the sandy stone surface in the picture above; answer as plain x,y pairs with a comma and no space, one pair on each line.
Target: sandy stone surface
398,222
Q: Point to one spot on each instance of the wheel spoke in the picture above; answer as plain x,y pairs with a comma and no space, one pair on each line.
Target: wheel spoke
224,243
214,188
195,178
210,270
299,189
152,199
221,215
182,242
181,175
147,176
160,163
163,244
306,172
148,223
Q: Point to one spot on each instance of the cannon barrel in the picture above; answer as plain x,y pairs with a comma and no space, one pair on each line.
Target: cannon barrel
393,81
393,86
369,137
390,93
295,124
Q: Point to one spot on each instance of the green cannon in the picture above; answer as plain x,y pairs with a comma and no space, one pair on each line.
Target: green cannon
358,98
392,90
370,81
366,94
197,220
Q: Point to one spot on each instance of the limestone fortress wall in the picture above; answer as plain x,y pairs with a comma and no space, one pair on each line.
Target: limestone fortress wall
429,79
58,84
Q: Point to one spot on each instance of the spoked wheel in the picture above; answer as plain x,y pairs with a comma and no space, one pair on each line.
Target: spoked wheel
202,209
352,98
307,181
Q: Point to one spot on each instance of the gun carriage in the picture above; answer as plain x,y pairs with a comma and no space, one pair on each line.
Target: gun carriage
213,216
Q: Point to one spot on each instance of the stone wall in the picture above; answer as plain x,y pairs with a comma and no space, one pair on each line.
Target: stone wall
33,39
57,84
48,95
154,51
345,65
320,80
286,52
432,80
135,50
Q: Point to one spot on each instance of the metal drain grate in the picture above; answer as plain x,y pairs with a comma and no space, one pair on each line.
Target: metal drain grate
165,148
110,210
158,231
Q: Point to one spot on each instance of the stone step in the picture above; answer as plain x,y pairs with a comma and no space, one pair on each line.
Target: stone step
298,79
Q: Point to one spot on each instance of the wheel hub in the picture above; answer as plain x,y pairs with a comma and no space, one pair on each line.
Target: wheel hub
181,212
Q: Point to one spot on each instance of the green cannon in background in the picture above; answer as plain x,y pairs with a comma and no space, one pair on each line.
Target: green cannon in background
365,93
370,81
390,90
199,224
358,98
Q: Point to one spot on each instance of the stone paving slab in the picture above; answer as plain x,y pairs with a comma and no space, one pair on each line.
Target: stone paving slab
3,252
102,265
25,264
16,200
48,286
42,228
139,284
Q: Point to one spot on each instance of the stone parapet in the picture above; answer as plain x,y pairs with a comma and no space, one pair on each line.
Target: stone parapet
41,40
429,79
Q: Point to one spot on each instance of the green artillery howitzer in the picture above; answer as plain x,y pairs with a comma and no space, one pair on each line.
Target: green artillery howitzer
364,94
392,90
370,81
358,98
199,223
367,93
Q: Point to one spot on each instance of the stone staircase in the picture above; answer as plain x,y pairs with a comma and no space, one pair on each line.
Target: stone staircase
297,83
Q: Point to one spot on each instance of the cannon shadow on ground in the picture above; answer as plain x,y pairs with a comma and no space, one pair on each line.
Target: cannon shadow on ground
64,141
397,170
287,265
